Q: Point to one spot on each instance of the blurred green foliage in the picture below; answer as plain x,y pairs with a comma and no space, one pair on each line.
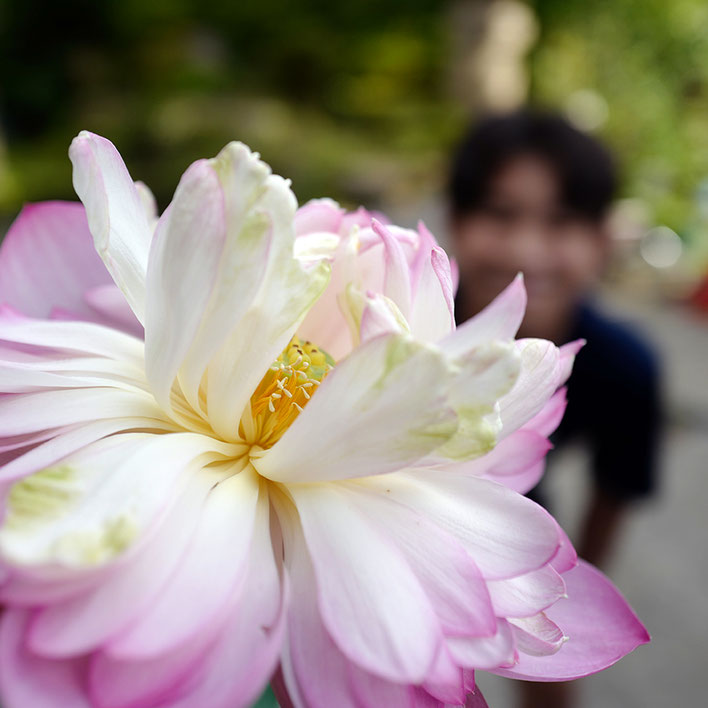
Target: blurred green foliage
344,98
349,99
649,60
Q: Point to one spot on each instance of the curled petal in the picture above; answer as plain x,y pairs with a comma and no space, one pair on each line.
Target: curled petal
538,380
537,635
526,595
600,626
116,215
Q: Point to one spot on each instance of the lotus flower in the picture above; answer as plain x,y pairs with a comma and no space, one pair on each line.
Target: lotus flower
242,436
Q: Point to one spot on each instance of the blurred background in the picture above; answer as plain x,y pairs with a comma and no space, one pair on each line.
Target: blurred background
363,101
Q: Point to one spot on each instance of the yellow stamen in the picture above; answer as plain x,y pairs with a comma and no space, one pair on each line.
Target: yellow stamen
285,390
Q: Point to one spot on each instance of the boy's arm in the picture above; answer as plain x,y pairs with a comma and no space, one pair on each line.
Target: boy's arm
601,527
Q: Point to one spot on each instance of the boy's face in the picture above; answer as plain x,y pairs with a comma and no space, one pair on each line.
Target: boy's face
523,226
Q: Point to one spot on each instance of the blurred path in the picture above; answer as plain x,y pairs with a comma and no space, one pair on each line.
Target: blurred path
662,566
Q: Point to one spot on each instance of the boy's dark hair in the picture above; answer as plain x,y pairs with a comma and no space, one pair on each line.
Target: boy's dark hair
584,168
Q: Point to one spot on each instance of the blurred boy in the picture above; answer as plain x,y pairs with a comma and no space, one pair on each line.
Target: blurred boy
530,193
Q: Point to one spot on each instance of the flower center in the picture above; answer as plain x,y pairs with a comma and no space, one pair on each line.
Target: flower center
284,391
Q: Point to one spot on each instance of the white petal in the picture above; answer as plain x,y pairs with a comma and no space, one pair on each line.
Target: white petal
371,602
261,293
57,444
211,571
88,620
528,594
431,316
448,575
244,658
316,246
506,534
326,322
115,212
379,410
483,376
84,337
148,201
21,377
93,505
537,635
397,284
30,412
538,380
184,261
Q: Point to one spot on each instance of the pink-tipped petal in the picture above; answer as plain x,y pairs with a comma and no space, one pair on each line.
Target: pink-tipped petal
432,313
484,652
318,216
226,665
32,412
29,681
314,671
112,308
116,215
445,682
145,683
397,284
505,534
513,455
48,260
537,635
245,656
499,320
549,417
448,575
476,700
601,628
537,382
525,481
155,484
371,602
526,595
371,691
379,317
567,354
85,337
61,443
566,558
